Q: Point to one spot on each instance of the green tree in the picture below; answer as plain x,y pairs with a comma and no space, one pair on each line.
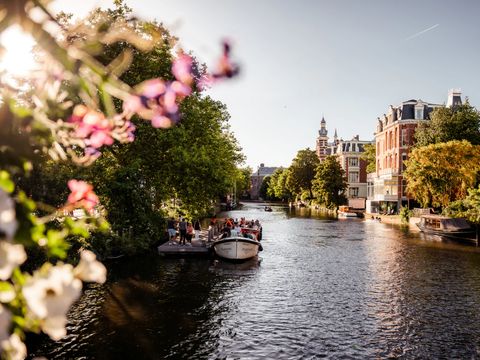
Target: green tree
302,172
369,155
263,191
182,169
440,173
450,123
243,181
468,208
330,184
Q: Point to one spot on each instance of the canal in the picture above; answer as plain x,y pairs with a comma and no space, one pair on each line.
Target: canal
322,288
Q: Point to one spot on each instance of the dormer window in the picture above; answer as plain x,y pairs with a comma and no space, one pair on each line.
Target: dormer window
419,112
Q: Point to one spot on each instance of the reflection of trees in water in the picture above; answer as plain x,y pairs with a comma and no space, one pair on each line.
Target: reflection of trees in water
151,308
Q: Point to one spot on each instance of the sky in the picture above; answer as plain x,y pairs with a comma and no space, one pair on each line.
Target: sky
346,60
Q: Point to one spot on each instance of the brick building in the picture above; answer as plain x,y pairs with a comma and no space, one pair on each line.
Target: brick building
257,177
394,137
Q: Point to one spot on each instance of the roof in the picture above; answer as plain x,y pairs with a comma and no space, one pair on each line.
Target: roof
265,171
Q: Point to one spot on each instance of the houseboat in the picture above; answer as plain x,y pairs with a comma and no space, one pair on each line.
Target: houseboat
445,226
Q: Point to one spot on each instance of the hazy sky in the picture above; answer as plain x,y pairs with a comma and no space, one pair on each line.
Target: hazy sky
347,60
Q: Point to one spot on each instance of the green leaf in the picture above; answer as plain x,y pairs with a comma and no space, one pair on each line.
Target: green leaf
6,184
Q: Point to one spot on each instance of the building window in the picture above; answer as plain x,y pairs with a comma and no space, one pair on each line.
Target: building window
353,191
404,158
419,113
404,187
353,176
352,162
404,137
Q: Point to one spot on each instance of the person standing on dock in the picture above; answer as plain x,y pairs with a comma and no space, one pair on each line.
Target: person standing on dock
197,228
182,227
172,232
189,233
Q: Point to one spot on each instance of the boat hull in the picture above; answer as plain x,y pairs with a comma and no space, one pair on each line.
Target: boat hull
347,215
455,234
236,248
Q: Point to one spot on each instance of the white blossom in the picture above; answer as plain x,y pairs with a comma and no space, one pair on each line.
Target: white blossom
11,255
8,223
89,269
5,318
49,293
7,295
14,348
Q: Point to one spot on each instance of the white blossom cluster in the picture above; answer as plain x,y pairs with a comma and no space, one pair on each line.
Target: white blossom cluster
48,293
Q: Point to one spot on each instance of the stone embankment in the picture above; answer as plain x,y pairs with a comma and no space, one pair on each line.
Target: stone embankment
396,220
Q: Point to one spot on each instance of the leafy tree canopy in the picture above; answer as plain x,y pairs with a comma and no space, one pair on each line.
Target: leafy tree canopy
302,172
330,184
440,173
468,208
369,155
450,123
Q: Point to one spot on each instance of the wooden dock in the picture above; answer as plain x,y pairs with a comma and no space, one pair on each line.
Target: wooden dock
200,247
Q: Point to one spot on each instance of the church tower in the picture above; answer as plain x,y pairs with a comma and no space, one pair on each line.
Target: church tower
322,140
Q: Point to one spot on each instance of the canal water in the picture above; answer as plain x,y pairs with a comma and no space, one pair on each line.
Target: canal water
322,288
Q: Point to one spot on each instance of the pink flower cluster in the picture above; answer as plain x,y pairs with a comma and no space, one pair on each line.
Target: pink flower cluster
96,130
157,100
92,126
82,194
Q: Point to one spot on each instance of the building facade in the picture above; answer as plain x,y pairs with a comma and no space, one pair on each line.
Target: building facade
348,153
257,177
394,137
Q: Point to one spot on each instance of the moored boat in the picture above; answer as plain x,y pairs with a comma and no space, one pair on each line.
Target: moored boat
268,208
242,246
445,226
345,212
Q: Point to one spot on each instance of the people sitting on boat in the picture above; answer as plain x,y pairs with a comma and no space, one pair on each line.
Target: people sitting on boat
248,236
236,231
226,231
257,223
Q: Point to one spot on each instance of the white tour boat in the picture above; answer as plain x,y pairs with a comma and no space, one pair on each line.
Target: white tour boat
240,247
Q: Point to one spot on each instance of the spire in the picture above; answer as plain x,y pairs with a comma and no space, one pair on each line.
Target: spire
323,127
335,136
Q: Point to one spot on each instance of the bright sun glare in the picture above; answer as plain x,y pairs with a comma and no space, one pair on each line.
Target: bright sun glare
18,59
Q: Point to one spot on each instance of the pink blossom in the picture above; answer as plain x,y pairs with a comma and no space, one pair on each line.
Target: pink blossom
182,69
152,88
161,121
92,126
157,101
180,88
132,104
226,68
130,130
82,192
99,138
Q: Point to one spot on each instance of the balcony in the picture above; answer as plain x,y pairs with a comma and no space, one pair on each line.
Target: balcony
385,197
389,171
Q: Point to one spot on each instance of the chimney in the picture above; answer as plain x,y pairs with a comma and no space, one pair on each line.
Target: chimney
454,98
